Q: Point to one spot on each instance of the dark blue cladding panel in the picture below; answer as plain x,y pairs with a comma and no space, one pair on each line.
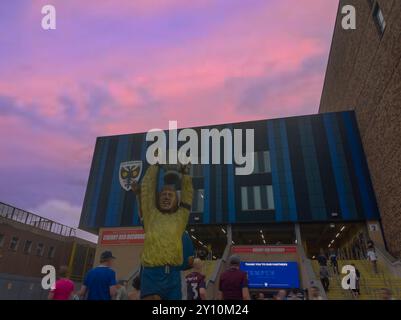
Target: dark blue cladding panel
274,169
113,211
292,207
309,167
206,188
143,148
339,164
360,167
98,179
314,191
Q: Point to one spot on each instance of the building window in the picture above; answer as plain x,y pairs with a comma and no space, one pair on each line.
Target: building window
51,253
379,18
257,198
198,200
27,246
261,162
40,249
14,243
1,240
196,170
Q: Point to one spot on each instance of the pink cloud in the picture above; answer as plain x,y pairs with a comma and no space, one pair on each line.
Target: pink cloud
27,145
115,67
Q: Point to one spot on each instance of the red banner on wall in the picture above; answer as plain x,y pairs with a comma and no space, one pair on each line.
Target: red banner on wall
121,237
265,249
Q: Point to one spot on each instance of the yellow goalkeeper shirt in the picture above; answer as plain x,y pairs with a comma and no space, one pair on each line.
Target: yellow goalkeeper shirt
163,232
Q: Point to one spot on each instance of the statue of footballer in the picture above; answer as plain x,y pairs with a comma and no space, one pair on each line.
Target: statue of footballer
165,218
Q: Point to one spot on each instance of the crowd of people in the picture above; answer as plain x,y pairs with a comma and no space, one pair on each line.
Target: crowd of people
100,283
331,259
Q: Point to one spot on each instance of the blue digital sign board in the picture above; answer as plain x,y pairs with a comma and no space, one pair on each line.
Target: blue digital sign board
275,275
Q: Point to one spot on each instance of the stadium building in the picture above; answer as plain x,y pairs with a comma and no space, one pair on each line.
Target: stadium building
310,189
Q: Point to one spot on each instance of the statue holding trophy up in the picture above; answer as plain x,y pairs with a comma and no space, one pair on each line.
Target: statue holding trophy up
165,218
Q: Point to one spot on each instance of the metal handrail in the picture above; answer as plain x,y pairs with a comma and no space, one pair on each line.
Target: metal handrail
133,275
219,265
310,273
386,255
393,264
28,218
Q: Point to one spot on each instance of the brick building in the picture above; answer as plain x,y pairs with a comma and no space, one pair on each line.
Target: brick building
28,242
364,75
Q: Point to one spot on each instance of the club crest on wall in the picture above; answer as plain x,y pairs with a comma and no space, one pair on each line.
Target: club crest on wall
129,172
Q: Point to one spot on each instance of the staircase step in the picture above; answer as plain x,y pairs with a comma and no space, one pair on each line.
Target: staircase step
370,283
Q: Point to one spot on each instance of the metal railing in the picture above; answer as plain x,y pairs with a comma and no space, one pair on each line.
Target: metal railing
307,271
219,265
135,272
31,219
386,255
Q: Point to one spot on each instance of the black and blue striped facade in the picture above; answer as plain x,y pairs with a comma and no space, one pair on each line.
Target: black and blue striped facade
318,168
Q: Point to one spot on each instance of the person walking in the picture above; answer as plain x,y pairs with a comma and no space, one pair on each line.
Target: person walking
233,284
370,244
195,281
323,270
372,257
122,293
333,260
64,287
357,291
322,259
100,282
324,278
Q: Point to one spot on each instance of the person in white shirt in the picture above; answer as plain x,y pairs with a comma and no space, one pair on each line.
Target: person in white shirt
373,259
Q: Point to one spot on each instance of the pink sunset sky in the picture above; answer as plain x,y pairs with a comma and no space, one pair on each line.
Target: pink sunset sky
125,66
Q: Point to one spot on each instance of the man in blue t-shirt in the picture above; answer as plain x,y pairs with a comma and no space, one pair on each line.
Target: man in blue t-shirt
100,282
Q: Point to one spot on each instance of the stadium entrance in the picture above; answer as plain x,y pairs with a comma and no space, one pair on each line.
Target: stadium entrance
210,241
348,240
263,234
